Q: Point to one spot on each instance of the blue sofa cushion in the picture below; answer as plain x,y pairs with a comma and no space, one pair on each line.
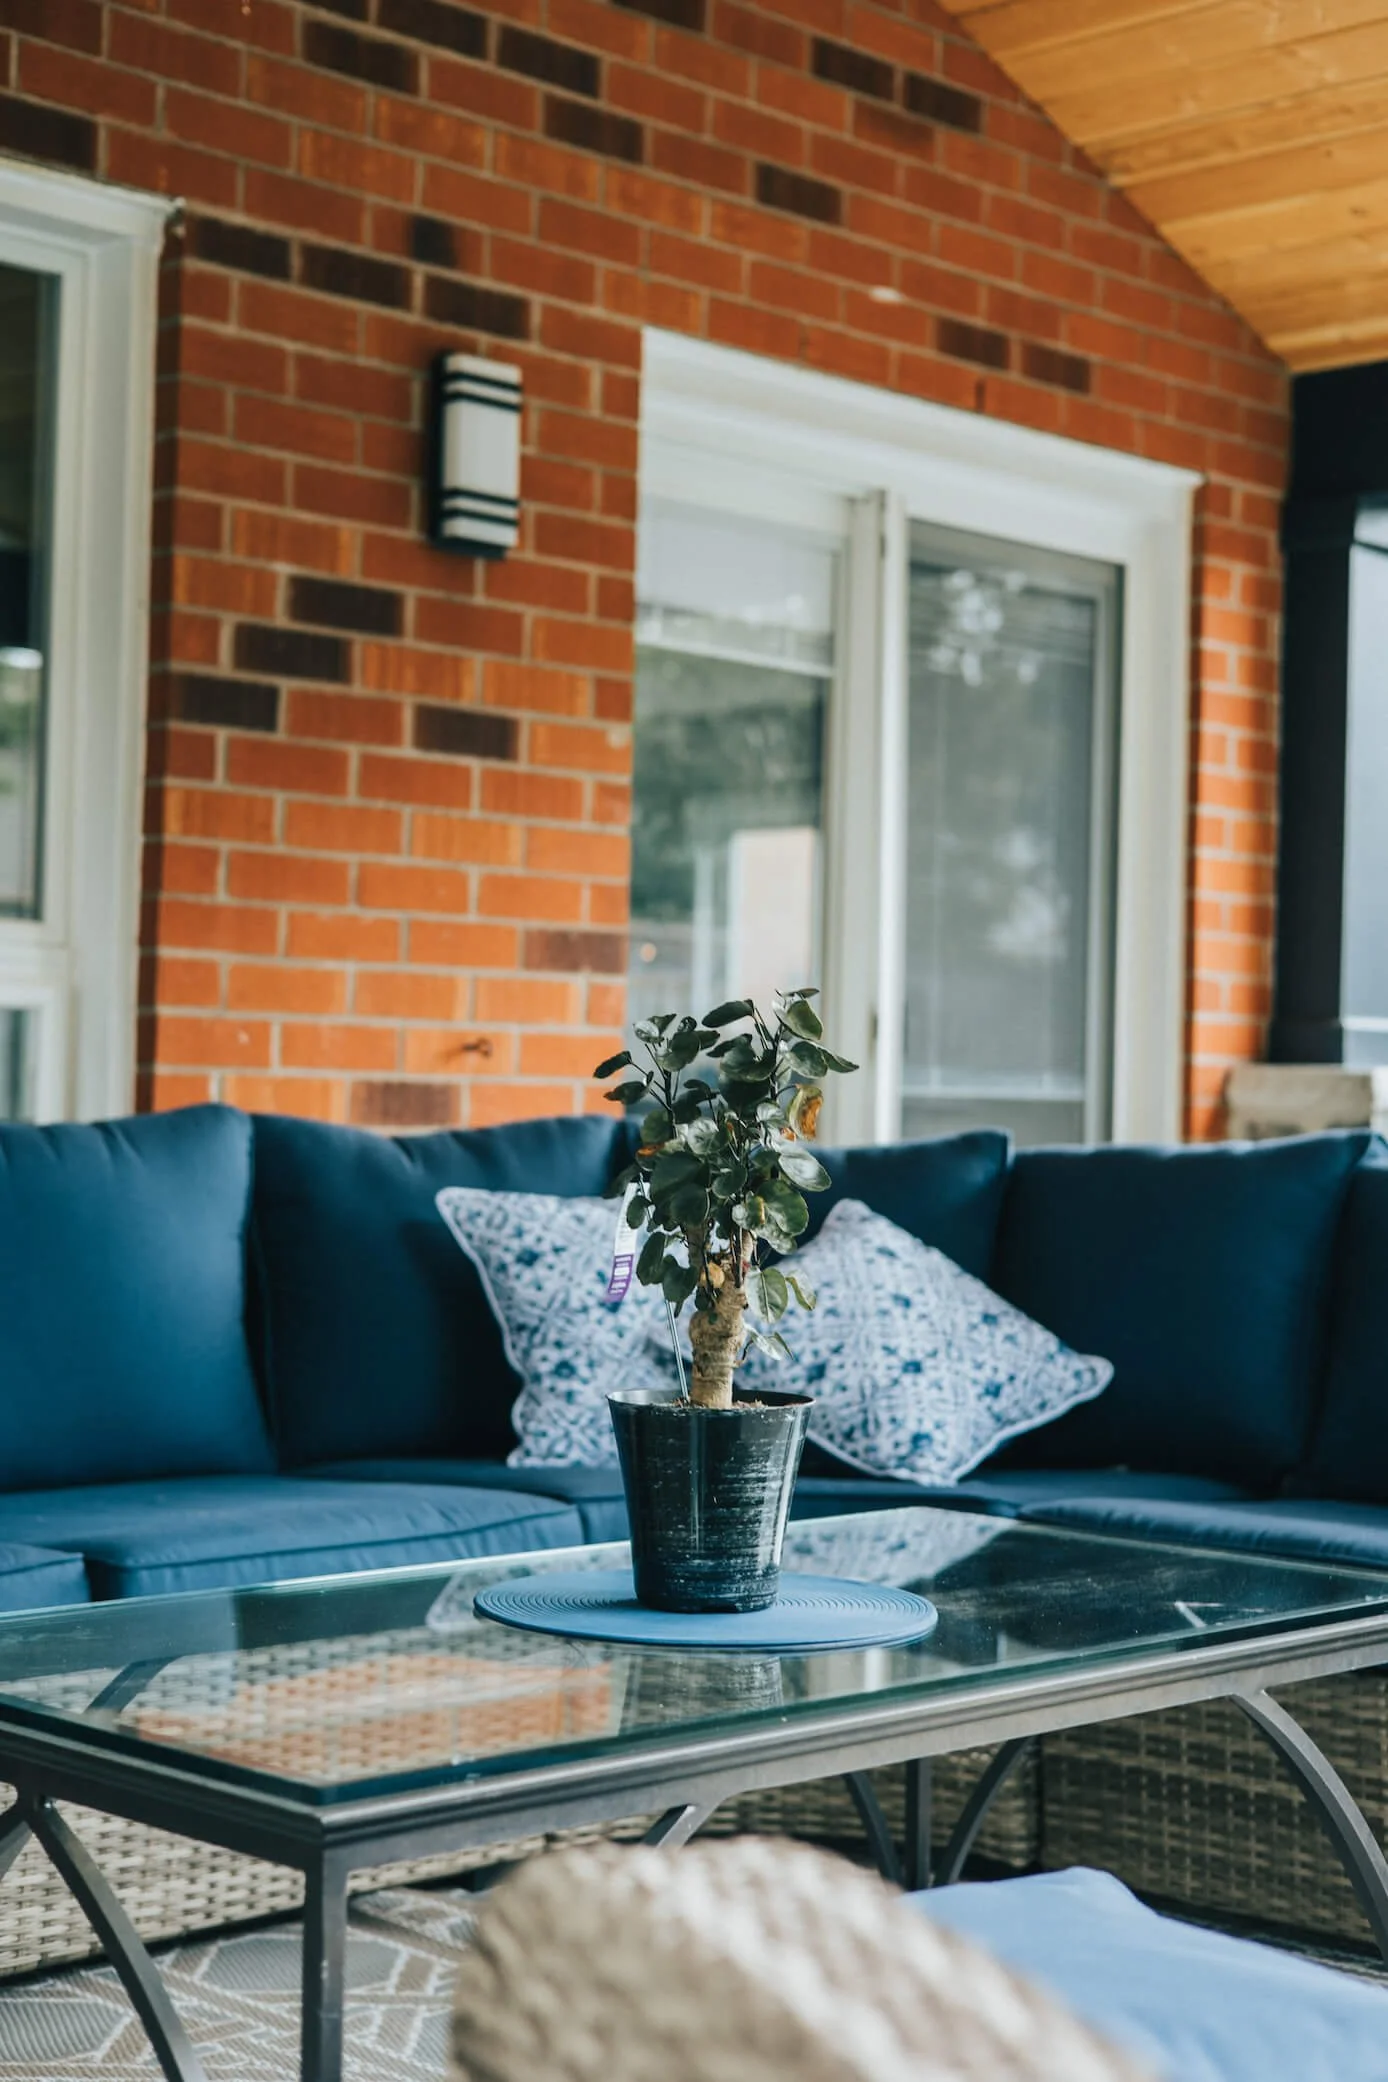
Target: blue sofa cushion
33,1577
1195,2005
1300,1529
142,1539
122,1301
1203,1275
1349,1457
947,1192
376,1337
595,1493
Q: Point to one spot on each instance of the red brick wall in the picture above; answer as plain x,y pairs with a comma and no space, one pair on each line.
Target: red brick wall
387,810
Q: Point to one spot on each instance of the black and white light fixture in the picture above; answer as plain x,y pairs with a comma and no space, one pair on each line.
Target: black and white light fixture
475,455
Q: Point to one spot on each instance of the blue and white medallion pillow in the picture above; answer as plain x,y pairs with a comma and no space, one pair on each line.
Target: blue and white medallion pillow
544,1263
917,1369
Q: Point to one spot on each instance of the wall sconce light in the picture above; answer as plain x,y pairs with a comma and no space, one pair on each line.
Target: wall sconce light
474,504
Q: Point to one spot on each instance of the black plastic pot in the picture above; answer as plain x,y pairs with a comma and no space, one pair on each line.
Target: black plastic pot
708,1494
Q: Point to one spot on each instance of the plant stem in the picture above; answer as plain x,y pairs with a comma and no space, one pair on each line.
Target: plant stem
716,1336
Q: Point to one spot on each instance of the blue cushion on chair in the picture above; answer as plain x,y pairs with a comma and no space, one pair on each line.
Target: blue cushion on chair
1301,1529
595,1493
34,1577
946,1192
142,1539
1203,1275
1350,1455
122,1301
1194,2004
377,1336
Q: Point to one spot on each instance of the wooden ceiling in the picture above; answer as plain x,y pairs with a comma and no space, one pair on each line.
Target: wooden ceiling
1252,133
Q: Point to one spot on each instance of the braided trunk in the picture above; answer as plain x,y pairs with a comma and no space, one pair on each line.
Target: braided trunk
717,1336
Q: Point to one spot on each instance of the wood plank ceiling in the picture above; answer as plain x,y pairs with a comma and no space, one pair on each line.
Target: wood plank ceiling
1252,133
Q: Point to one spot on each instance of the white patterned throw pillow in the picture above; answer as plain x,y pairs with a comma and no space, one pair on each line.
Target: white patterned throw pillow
917,1369
545,1263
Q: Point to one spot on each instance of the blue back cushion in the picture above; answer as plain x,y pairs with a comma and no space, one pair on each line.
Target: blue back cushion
376,1337
122,1301
1350,1454
948,1192
1203,1274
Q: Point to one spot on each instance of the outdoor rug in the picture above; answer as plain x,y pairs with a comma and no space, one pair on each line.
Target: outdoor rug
238,1997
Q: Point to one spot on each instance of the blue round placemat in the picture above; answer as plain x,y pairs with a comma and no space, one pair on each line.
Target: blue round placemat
812,1612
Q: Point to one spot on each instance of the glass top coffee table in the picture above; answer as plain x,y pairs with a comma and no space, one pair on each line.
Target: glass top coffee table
357,1720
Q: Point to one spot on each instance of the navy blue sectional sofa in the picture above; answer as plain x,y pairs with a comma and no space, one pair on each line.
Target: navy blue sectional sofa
236,1350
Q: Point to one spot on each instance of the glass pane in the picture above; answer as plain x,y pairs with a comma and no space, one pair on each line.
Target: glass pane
25,347
16,1037
735,628
387,1683
1008,867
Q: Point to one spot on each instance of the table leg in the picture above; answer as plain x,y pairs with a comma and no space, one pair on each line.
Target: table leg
1333,1804
915,1862
675,1827
875,1825
990,1783
121,1941
324,1973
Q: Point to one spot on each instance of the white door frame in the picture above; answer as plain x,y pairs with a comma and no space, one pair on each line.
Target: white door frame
76,966
725,427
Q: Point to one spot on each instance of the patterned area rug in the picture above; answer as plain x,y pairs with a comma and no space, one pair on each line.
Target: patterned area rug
238,1997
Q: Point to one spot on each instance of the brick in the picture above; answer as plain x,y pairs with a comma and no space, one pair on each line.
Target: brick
433,241
381,887
58,75
847,66
240,1042
324,827
554,850
308,1098
583,953
404,1103
76,24
289,653
430,1050
464,946
280,987
464,734
436,21
408,994
438,784
218,813
778,188
295,769
348,163
295,430
541,58
345,718
465,838
47,133
975,343
491,1104
334,604
1049,365
477,308
565,1055
314,1045
942,103
228,704
341,936
527,1001
510,792
169,980
594,130
361,57
356,276
230,928
276,538
680,14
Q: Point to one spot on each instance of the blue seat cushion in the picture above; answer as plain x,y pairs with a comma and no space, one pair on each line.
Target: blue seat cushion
142,1539
122,1301
1006,1493
1202,1274
1349,1456
1195,2005
376,1337
1301,1529
595,1493
32,1577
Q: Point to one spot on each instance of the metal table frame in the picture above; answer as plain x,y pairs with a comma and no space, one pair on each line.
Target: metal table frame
684,1777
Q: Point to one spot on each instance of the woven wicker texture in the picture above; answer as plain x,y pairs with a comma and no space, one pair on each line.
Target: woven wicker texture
744,1962
1193,1806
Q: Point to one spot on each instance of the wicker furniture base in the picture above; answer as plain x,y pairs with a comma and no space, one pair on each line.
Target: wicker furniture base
1193,1808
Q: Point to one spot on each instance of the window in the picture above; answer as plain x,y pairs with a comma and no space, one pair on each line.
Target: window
911,709
77,269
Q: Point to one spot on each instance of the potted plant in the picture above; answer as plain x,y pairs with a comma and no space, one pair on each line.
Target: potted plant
718,1186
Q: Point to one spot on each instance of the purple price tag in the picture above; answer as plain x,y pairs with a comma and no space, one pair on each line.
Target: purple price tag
623,1265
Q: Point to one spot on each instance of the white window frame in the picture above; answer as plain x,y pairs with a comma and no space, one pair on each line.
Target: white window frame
75,967
733,431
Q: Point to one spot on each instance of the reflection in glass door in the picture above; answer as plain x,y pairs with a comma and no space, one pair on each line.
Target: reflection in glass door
1010,850
735,649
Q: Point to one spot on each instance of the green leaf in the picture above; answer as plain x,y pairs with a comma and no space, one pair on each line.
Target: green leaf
688,1206
637,1210
674,1168
703,1136
678,1282
613,1063
838,1062
651,1263
628,1093
802,1019
680,1048
807,1059
657,1127
806,1296
803,1169
786,1207
775,1344
724,1015
615,1187
768,1292
807,991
